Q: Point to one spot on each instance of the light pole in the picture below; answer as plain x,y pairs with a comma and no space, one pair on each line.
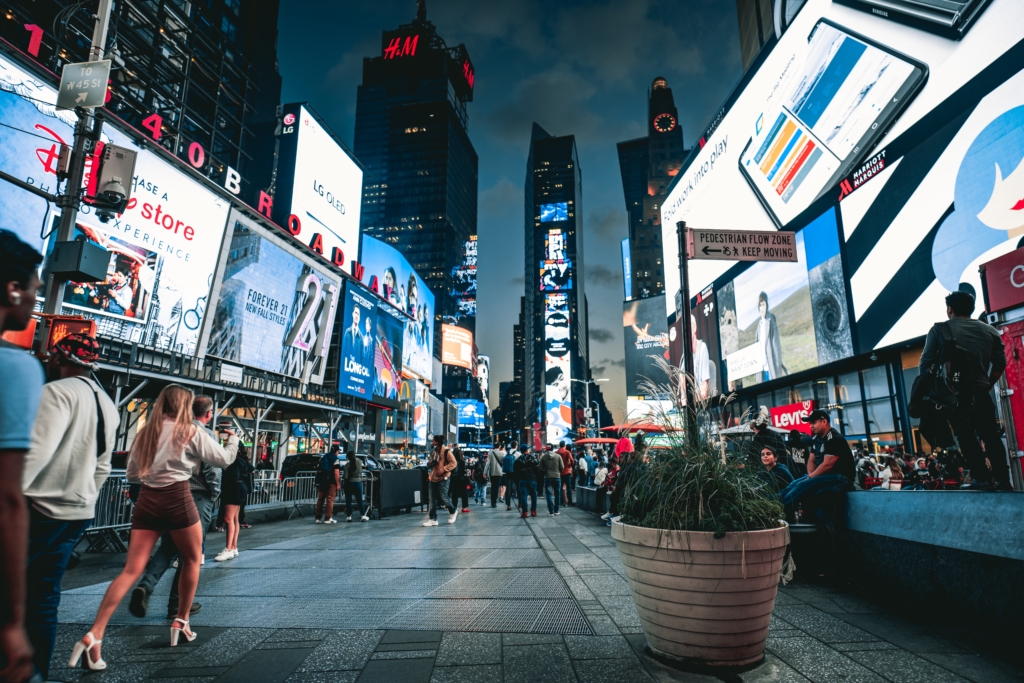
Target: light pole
597,412
587,383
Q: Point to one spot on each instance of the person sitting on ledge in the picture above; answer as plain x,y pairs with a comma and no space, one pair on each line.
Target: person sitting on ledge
830,465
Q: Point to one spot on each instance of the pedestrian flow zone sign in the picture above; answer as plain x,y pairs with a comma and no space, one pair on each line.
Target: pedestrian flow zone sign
740,245
84,85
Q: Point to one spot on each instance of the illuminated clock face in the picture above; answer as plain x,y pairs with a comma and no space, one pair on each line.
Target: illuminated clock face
663,123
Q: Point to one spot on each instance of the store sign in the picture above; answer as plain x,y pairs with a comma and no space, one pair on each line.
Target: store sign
275,306
320,189
396,47
792,416
1004,281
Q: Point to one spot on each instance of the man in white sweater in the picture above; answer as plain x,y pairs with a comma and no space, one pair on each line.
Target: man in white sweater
66,465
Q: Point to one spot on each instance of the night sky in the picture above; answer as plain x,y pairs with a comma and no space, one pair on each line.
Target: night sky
580,68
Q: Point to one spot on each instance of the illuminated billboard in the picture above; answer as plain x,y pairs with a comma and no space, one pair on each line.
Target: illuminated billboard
275,307
358,342
456,346
555,275
164,247
549,213
557,367
404,289
483,374
320,187
472,414
464,284
645,334
387,353
840,78
627,270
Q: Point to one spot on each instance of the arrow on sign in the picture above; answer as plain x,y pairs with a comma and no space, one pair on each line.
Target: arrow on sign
708,251
81,97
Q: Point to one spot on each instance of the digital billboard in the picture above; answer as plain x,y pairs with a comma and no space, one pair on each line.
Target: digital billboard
705,345
776,319
358,343
645,334
627,270
456,346
274,308
559,211
464,284
841,78
483,374
320,185
164,247
472,414
387,353
557,367
402,286
555,275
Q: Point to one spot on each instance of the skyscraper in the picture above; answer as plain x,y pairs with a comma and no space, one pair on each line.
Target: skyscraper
420,178
555,303
648,166
756,27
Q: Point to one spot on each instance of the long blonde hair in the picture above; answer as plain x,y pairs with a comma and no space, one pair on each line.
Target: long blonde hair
894,467
174,403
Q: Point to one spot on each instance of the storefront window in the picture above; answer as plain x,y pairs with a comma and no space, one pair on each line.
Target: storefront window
876,383
880,416
848,390
853,420
802,392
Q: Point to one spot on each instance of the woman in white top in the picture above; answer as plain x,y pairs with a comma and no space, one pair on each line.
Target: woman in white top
892,476
164,455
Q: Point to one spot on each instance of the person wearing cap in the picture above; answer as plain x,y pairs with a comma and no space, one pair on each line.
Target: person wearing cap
975,422
66,465
830,465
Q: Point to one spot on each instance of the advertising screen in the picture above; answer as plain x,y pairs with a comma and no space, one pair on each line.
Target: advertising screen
456,346
776,319
559,211
275,310
320,184
358,343
705,344
387,353
405,290
627,270
557,367
822,83
645,334
464,284
555,275
163,248
472,414
483,374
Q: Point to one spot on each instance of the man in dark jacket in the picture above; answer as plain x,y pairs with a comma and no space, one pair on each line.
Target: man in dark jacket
508,464
551,465
526,471
205,486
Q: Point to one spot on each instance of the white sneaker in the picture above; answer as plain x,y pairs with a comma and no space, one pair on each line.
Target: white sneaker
330,521
224,555
235,552
202,559
365,519
430,522
606,515
451,517
174,564
349,518
317,522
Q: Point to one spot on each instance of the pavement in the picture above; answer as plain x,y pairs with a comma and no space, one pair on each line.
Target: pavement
489,598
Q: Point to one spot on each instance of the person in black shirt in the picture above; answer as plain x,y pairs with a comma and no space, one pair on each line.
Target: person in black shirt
830,465
775,474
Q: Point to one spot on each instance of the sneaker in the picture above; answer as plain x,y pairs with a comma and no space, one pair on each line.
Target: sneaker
465,509
349,518
174,564
606,515
556,514
224,555
330,521
451,517
608,523
523,515
246,526
139,602
202,559
551,514
220,530
430,522
317,521
364,518
235,552
508,508
533,513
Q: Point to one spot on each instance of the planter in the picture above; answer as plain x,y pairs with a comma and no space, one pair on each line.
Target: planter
703,600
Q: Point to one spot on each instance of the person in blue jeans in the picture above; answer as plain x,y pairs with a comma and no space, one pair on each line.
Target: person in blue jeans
526,469
830,465
354,486
551,465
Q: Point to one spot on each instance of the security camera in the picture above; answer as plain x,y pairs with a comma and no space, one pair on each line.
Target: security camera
111,201
114,176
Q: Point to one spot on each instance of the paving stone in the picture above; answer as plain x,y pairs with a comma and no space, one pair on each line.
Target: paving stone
903,667
825,627
398,636
288,645
509,639
227,648
606,584
598,647
974,668
774,670
903,633
190,673
395,670
324,677
818,662
490,673
404,654
342,650
603,626
863,646
611,670
396,647
469,648
266,666
548,663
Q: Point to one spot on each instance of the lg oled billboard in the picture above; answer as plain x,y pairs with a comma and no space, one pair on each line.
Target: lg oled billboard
320,187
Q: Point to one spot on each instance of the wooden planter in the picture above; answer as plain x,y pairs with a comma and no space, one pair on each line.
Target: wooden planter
703,600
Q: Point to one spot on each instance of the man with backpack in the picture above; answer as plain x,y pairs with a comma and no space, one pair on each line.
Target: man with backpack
526,470
495,473
328,483
439,470
966,356
565,475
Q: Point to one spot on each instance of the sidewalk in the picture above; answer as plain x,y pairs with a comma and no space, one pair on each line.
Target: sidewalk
490,598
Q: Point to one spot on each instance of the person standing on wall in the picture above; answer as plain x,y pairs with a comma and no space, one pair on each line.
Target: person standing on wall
495,473
983,361
64,470
20,391
205,488
439,471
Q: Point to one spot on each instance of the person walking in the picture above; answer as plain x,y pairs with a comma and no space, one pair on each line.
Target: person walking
460,480
439,472
234,490
511,482
600,475
551,466
526,471
354,486
165,453
495,473
204,486
568,463
65,467
20,392
591,467
975,351
328,483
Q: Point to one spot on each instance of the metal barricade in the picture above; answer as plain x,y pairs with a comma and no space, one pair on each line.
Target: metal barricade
112,522
266,487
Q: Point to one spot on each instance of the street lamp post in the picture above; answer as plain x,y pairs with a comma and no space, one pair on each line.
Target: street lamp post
587,383
597,412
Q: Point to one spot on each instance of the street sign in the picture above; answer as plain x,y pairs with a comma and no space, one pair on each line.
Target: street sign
83,85
741,245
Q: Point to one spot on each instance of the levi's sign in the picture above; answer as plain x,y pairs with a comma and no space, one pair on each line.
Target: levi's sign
792,416
740,245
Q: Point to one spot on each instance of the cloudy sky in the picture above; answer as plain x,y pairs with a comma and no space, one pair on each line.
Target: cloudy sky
576,68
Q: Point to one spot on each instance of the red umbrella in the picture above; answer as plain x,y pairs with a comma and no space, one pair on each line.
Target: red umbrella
597,440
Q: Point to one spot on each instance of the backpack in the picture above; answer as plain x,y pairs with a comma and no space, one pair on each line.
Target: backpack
938,390
325,470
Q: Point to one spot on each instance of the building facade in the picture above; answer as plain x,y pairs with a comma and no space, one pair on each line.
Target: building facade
647,166
555,311
756,25
420,168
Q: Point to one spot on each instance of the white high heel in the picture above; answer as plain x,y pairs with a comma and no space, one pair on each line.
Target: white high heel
175,632
80,647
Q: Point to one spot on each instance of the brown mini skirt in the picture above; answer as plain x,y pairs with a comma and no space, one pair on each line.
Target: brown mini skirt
168,508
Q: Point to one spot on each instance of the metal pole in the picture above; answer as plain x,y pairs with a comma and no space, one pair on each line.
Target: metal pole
684,284
597,418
